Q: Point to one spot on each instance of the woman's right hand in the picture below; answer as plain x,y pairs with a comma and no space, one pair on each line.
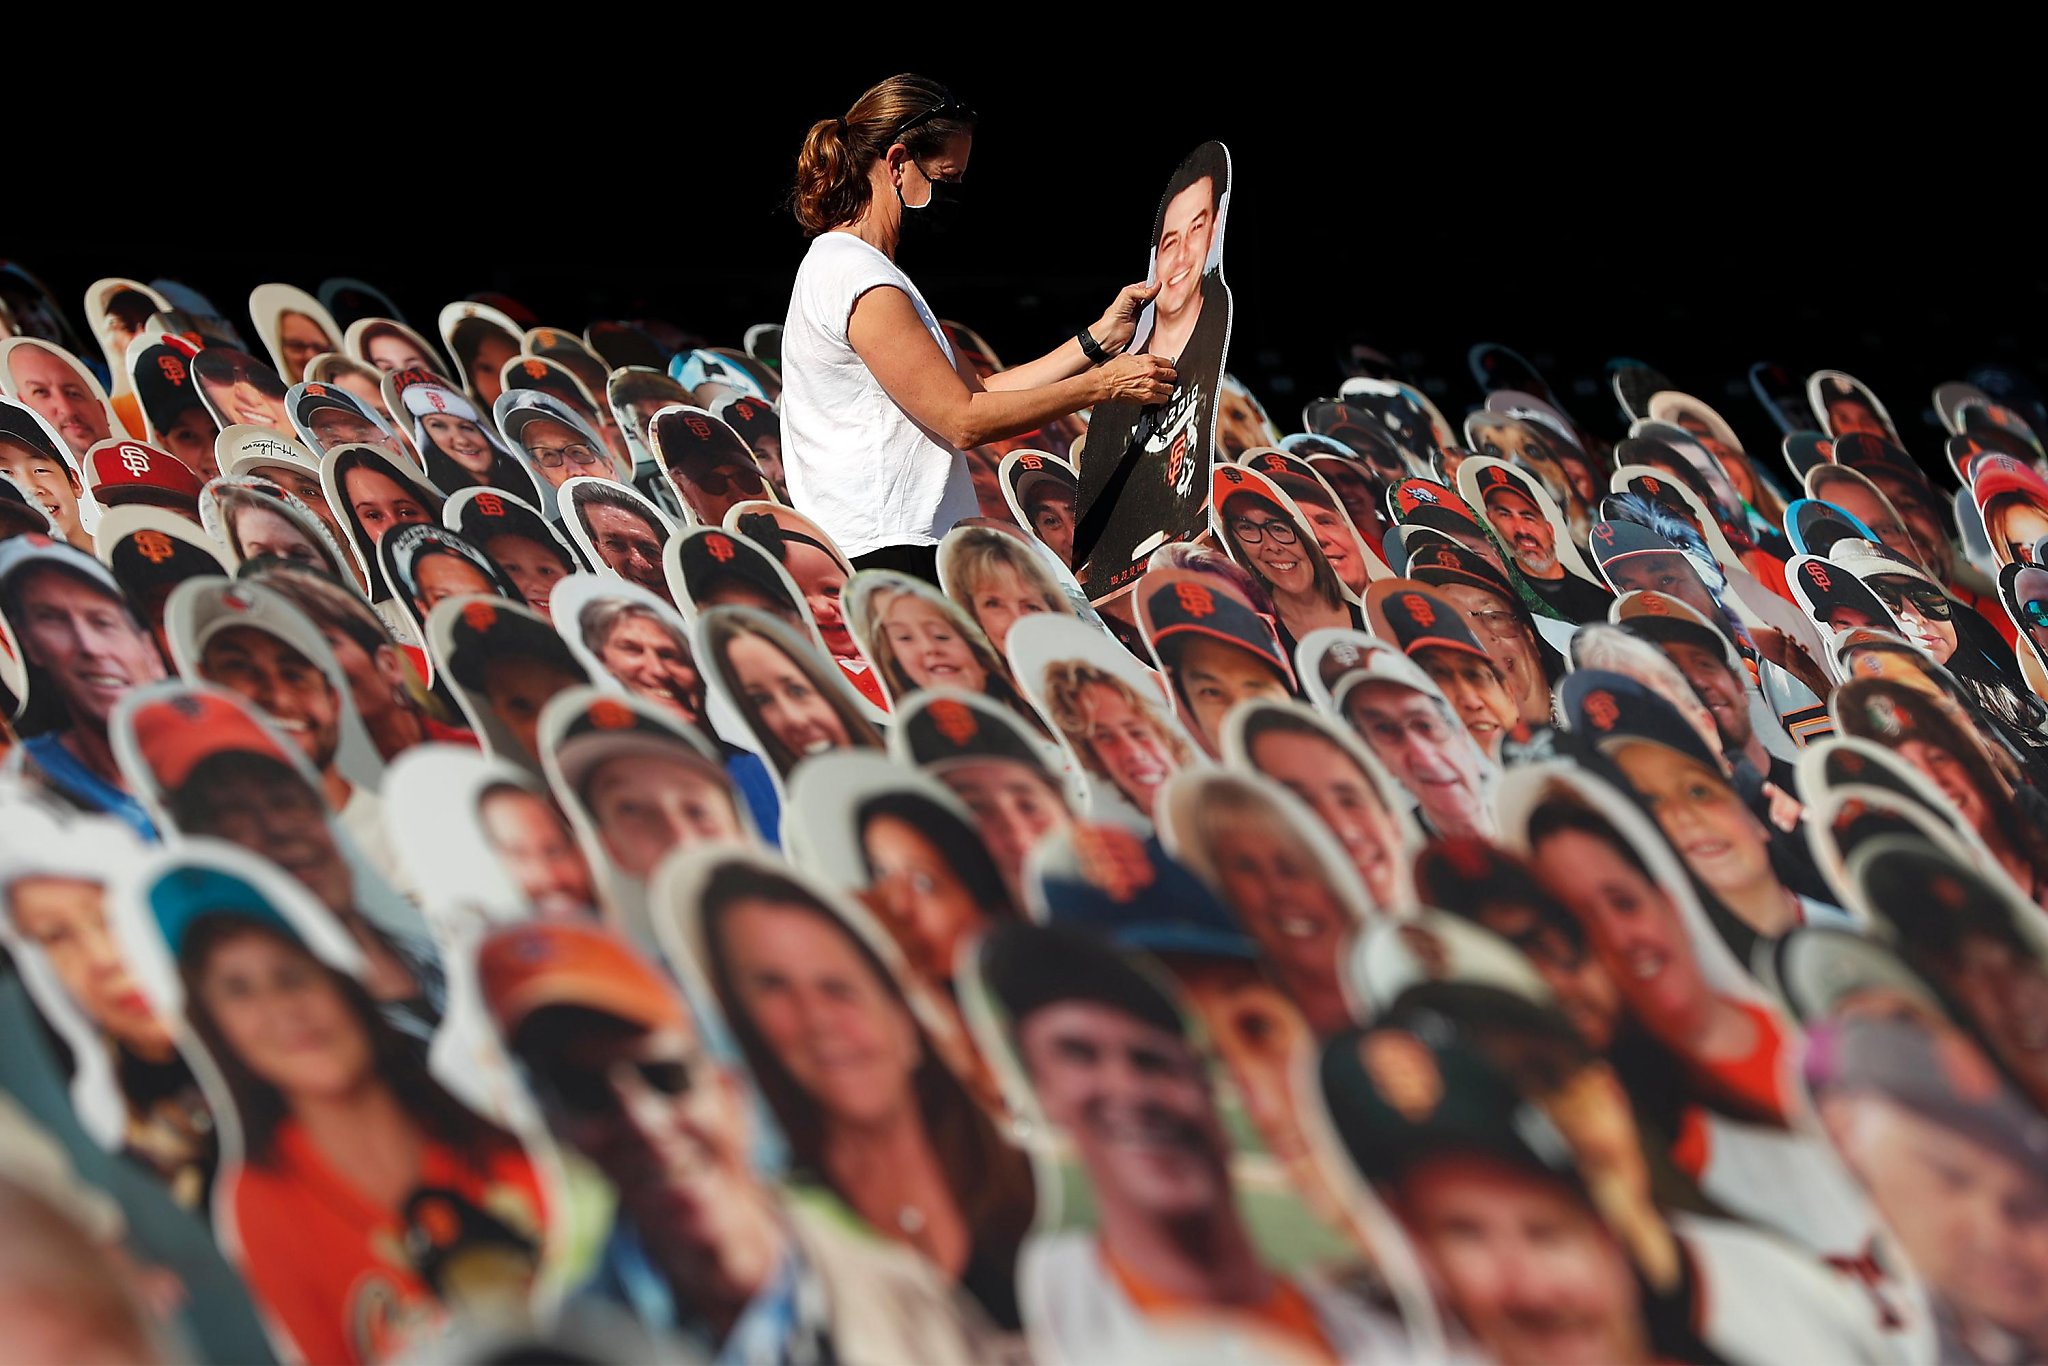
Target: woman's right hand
1139,379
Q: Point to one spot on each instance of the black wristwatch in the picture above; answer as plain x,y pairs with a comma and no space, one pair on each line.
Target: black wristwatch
1091,348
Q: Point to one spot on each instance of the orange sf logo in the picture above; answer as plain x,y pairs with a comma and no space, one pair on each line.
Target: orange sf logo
316,391
1194,600
1113,860
1603,532
1653,487
490,505
699,428
1419,609
173,369
720,548
154,546
534,369
610,714
1602,710
480,616
1030,462
1820,577
1404,1072
955,720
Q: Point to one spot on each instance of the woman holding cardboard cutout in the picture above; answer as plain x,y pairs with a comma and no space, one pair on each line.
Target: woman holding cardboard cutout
877,408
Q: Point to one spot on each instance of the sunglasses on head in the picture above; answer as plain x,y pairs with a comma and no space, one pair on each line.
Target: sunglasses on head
948,108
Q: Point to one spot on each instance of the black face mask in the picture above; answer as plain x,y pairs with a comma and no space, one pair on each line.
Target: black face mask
937,214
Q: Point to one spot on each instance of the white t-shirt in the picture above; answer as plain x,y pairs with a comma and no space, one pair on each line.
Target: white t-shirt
858,465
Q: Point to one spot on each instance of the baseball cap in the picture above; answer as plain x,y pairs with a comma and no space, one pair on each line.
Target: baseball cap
694,368
1398,1096
310,396
1664,620
21,552
1861,450
1828,585
484,630
124,471
184,896
1814,526
1620,539
1028,967
1818,967
609,727
1936,1073
1028,471
1498,478
22,424
691,434
2003,474
149,555
942,727
526,968
174,733
1121,884
211,608
517,409
1348,665
707,555
1442,563
1610,709
1179,604
1391,956
489,513
1417,619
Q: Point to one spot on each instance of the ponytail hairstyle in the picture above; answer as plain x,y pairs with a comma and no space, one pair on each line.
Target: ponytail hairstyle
832,169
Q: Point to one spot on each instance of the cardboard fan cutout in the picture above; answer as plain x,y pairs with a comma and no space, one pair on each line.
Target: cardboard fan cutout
295,327
530,550
167,397
1111,713
35,458
349,299
151,550
617,531
120,312
707,463
53,383
1145,477
390,345
426,565
326,415
625,344
482,339
1842,404
1633,383
238,388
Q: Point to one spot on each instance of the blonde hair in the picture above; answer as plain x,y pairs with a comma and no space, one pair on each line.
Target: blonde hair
832,169
1066,682
974,554
1225,805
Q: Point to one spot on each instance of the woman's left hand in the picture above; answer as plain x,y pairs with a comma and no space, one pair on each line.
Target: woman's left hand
1120,320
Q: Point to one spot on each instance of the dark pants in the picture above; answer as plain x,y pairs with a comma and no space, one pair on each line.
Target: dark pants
918,561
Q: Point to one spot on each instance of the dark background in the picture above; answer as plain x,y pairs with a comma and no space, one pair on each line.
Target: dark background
1700,219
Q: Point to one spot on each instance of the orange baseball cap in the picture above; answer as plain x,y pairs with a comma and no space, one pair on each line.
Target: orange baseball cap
174,733
529,967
